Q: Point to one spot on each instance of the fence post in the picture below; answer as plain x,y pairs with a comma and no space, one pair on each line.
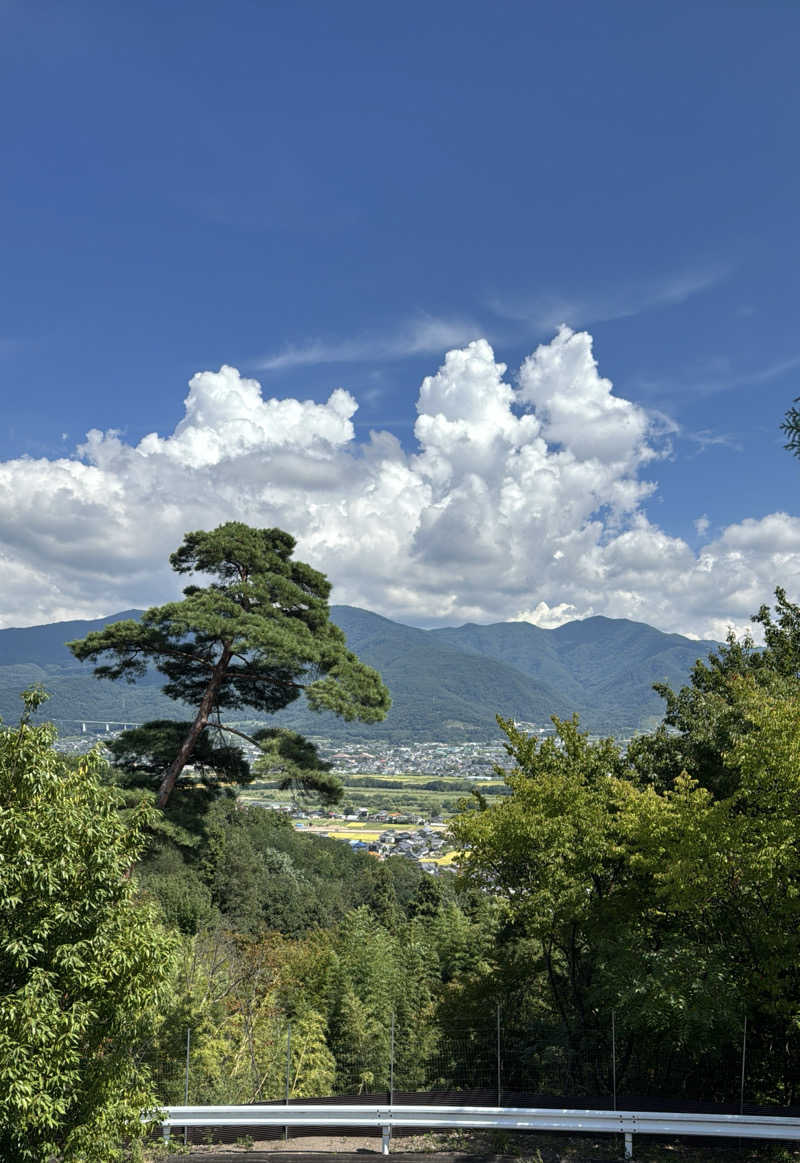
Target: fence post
744,1058
186,1080
614,1056
391,1062
499,1073
288,1072
386,1135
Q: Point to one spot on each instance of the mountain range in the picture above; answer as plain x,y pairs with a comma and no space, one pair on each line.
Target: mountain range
446,684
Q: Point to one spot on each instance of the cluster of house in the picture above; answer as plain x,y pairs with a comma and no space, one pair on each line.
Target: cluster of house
422,845
465,760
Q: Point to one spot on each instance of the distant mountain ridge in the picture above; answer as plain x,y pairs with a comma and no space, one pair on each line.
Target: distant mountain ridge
446,683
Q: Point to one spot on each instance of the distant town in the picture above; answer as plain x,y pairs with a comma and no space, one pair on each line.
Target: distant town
396,798
435,758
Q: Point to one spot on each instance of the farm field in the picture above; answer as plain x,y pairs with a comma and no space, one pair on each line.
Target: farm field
366,830
407,794
407,806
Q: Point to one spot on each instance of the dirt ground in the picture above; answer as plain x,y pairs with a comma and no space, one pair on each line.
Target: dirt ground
487,1147
307,1144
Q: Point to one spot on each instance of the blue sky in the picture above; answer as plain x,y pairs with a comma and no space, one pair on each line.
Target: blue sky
329,196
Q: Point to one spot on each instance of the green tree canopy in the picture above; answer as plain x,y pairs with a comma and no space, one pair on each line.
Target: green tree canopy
257,635
84,963
554,853
704,719
674,907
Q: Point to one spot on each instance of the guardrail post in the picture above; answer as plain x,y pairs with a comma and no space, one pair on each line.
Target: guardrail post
628,1145
385,1140
165,1132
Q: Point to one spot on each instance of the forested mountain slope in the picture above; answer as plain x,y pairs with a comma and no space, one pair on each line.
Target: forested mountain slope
39,654
446,684
604,667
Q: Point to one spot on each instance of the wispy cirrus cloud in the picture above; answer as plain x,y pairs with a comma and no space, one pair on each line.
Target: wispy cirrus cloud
715,377
424,335
606,304
665,427
705,439
433,335
772,371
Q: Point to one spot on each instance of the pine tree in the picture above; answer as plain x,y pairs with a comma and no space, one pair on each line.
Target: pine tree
258,635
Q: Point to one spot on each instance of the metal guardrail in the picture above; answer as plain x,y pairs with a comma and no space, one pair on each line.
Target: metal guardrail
627,1123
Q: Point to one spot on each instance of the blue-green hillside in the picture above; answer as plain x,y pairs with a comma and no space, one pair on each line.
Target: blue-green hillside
446,684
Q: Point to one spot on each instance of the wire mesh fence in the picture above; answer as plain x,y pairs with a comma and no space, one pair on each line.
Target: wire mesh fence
286,1060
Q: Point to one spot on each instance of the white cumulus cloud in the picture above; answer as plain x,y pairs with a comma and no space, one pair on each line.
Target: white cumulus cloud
523,497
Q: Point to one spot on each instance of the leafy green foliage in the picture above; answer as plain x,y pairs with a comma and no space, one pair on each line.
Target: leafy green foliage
703,719
176,883
339,988
428,900
554,851
669,904
84,964
253,884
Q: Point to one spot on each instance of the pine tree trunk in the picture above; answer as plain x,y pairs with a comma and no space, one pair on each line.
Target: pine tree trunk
204,710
